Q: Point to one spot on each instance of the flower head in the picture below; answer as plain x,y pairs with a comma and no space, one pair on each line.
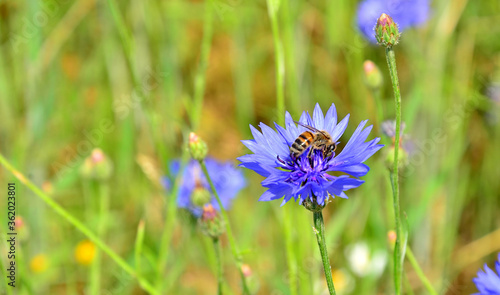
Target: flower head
211,223
307,177
197,147
386,31
406,13
85,252
39,263
487,281
372,75
97,166
365,261
227,179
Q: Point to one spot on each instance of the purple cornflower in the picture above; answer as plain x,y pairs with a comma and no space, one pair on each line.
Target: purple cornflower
304,178
487,281
228,181
406,13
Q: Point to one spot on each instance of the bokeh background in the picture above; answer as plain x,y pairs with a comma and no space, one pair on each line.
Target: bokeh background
129,77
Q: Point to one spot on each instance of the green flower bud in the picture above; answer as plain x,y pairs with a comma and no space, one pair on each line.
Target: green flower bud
200,196
246,270
386,31
251,280
211,222
373,77
402,158
197,147
97,166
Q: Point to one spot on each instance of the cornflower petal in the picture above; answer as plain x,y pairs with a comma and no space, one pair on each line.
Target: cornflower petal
487,281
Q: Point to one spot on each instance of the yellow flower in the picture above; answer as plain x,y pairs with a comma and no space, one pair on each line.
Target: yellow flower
39,263
85,252
342,280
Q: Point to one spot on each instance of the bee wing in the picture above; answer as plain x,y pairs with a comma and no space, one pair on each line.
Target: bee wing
307,126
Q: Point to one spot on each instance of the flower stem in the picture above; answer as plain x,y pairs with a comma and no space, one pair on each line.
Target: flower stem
139,241
170,218
95,275
195,115
79,225
319,230
398,253
220,271
200,78
234,248
420,273
273,8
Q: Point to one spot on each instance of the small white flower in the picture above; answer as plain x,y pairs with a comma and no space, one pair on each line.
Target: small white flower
363,262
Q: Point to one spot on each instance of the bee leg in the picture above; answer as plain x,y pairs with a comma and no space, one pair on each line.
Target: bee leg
309,157
295,159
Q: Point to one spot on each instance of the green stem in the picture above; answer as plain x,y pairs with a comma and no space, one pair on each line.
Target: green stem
220,270
272,8
126,40
290,255
95,272
170,218
200,79
420,273
319,230
398,253
234,248
292,78
79,225
139,241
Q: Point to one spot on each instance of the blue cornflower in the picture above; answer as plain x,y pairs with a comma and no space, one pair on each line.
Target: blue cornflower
487,281
228,181
303,178
406,13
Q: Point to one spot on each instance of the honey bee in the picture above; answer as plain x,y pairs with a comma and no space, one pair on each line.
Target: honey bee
316,140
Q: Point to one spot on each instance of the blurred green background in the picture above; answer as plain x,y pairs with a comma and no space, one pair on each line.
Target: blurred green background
128,77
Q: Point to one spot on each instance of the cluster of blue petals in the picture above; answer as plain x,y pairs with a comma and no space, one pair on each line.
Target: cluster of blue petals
228,181
301,178
406,13
487,281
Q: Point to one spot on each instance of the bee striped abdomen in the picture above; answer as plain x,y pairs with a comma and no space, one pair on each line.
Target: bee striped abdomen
301,143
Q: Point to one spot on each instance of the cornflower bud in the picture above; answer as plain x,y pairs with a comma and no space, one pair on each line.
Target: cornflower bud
372,75
211,222
200,196
197,147
386,31
97,166
402,157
